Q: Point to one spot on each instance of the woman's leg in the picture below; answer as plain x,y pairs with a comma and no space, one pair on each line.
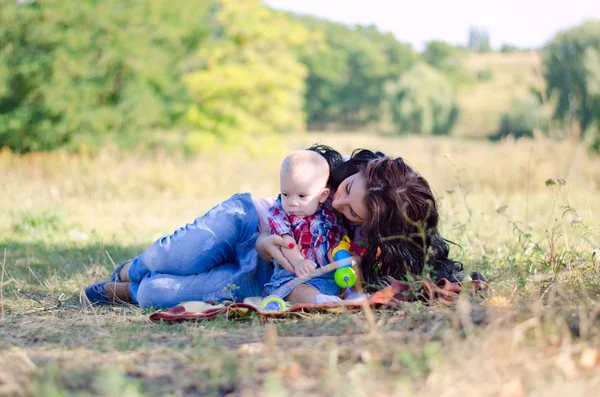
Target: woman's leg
198,247
229,281
124,272
118,292
108,291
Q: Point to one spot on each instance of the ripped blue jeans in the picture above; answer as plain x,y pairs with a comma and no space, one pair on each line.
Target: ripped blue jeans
211,259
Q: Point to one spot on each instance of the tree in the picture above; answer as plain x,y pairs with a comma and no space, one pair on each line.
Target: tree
247,78
423,102
479,39
440,54
570,70
592,68
348,72
446,59
96,68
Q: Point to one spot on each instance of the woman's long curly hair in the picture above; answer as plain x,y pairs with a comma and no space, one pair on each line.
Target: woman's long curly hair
402,234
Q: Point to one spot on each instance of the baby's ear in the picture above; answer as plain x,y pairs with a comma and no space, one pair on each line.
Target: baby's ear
324,195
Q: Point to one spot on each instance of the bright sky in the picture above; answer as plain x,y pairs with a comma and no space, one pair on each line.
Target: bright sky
524,23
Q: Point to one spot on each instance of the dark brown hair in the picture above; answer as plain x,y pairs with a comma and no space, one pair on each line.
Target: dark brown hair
402,233
403,220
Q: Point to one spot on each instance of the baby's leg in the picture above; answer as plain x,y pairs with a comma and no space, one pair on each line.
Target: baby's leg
304,293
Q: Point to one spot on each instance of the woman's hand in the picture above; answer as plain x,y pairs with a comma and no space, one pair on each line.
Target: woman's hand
269,247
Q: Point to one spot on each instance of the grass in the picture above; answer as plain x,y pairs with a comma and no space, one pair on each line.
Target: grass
65,220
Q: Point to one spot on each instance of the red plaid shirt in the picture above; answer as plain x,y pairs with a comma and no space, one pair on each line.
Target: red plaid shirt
315,234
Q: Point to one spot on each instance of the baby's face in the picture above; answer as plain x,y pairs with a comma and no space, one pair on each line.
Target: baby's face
302,192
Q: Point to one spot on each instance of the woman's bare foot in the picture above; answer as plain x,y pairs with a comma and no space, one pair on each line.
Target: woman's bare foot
118,292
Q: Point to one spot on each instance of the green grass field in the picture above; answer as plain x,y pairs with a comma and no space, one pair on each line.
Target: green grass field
66,220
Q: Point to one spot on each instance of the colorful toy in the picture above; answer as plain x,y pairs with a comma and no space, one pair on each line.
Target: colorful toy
273,303
345,276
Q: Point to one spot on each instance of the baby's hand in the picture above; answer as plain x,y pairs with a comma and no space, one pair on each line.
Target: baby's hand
305,267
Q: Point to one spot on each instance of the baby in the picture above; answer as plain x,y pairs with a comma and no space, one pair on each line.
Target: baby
309,228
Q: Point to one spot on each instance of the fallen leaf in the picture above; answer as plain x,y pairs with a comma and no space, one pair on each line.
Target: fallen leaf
499,301
566,364
589,358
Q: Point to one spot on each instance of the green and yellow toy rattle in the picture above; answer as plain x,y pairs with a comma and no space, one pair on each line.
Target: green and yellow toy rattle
345,275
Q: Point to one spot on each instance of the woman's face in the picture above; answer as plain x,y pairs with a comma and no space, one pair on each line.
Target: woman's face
349,198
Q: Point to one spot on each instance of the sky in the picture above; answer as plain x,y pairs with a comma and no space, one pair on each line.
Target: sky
524,23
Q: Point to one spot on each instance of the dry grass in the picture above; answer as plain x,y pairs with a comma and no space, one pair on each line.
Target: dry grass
66,219
483,103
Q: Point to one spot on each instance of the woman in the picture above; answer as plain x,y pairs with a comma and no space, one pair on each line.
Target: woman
380,200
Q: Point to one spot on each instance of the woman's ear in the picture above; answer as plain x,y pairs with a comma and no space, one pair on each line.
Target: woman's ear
324,195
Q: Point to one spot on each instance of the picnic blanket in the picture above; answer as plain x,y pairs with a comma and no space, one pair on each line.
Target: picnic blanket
441,292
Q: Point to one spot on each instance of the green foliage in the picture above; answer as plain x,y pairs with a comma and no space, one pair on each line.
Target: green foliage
485,74
572,70
525,116
440,54
423,101
348,73
246,77
95,68
592,68
508,48
447,59
217,70
592,137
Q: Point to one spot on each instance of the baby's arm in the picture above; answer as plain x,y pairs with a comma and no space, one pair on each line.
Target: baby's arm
281,226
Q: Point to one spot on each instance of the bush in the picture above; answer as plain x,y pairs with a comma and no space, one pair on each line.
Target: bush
524,117
592,137
508,48
485,74
423,102
440,55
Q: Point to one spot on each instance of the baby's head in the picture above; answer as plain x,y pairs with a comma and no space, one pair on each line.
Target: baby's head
303,182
